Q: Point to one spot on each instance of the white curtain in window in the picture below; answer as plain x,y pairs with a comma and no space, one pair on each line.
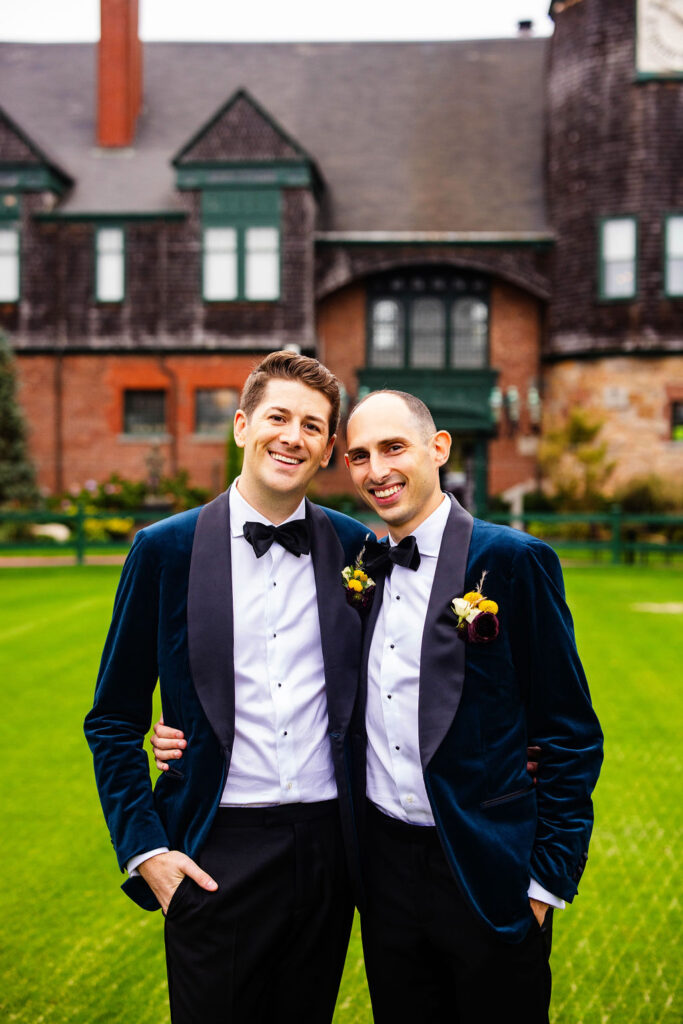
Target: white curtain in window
220,263
674,256
619,257
9,264
262,263
110,284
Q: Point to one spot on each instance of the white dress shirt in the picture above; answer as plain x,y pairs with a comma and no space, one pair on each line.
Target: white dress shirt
395,783
281,752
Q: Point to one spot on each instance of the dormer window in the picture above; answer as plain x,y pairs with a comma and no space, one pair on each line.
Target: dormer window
241,245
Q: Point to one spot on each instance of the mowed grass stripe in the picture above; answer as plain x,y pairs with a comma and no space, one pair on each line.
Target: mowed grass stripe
74,949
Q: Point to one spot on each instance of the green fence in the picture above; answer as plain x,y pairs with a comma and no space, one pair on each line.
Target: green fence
615,536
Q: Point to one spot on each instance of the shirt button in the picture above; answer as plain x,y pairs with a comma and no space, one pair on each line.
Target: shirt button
398,598
388,696
289,785
279,686
398,748
284,733
274,635
391,646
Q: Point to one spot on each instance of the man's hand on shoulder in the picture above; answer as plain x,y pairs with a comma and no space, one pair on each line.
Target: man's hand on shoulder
539,910
164,873
167,744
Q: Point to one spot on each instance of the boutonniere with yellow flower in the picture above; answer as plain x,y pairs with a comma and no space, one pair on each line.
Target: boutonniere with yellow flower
477,616
358,585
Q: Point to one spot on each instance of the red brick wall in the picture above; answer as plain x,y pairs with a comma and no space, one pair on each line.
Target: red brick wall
515,337
341,346
92,414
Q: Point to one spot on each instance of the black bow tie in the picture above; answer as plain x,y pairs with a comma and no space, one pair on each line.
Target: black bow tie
294,537
383,557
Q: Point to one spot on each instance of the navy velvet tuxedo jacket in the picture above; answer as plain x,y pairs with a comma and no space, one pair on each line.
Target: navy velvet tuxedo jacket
173,620
479,707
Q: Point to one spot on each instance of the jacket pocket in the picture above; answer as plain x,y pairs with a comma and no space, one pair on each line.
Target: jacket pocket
506,797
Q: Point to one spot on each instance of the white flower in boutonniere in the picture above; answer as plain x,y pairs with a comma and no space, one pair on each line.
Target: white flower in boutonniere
477,616
358,585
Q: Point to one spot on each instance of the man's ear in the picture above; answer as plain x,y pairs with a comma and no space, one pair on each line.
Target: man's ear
440,445
239,428
324,462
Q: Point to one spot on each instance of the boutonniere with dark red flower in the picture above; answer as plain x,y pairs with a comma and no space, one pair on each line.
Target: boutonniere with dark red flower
477,616
357,584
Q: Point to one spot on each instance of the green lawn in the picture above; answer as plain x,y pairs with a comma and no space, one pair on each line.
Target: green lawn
73,949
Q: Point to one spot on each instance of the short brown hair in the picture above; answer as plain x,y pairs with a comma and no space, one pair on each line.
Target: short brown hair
418,409
291,366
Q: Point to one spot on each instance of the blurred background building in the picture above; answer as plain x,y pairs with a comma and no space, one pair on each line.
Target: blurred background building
496,226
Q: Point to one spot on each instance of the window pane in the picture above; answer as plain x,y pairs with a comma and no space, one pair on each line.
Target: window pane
110,240
469,323
220,263
677,421
144,412
674,237
619,279
619,239
9,265
110,284
214,410
674,277
387,333
262,269
427,333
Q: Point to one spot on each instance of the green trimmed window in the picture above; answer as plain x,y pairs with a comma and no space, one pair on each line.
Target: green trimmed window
110,264
428,319
618,255
677,421
673,255
241,245
214,410
144,411
9,262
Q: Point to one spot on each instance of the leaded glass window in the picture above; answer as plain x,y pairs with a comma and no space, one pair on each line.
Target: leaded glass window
428,319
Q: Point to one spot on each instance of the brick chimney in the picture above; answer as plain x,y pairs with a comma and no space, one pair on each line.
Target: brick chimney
119,73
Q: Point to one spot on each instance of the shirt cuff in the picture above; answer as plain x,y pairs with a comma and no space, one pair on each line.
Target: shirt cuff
537,892
135,862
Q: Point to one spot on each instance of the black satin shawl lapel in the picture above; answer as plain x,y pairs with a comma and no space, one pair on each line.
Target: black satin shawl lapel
369,624
210,619
442,659
340,631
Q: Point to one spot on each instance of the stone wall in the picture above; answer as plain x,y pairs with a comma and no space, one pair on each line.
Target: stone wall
633,396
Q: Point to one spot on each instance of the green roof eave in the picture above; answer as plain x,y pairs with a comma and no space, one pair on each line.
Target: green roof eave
99,216
33,178
534,239
300,173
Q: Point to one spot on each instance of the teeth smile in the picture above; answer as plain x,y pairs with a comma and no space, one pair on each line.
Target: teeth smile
284,458
387,493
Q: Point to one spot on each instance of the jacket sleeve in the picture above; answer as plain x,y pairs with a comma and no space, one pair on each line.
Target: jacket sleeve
122,712
560,719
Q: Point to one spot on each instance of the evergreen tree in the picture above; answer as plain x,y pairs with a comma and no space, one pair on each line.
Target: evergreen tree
17,474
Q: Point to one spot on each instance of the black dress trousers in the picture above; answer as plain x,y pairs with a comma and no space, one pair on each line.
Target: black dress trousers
428,957
269,945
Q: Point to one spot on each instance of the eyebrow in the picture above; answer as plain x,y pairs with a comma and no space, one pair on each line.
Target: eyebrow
288,412
380,444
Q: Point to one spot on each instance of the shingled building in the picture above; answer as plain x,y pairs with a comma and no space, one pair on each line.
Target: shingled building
496,226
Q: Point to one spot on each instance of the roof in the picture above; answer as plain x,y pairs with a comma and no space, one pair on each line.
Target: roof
431,137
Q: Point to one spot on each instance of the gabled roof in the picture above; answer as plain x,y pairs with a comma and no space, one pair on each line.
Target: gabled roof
240,130
19,150
410,137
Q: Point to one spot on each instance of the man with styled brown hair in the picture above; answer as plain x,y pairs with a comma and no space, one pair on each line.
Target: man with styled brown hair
237,609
